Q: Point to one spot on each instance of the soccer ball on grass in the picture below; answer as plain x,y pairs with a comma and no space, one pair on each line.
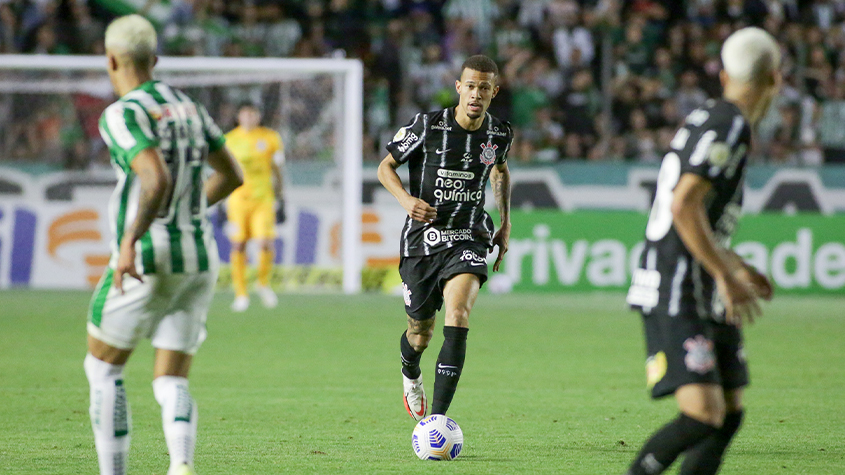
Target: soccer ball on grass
437,437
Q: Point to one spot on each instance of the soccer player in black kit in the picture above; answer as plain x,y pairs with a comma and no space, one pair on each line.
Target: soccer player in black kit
450,153
691,288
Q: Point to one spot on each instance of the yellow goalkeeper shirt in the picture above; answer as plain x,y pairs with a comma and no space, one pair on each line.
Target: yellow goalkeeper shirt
256,151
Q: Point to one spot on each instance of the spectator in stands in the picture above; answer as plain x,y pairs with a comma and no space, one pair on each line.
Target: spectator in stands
689,96
582,100
831,117
573,43
664,61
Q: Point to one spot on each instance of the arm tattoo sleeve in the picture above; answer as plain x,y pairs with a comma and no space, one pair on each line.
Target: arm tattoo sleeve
501,182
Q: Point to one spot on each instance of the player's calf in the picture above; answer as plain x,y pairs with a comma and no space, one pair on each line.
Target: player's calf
110,414
179,419
450,363
666,444
706,457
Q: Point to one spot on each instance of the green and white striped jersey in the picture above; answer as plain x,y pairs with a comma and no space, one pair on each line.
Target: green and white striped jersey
156,115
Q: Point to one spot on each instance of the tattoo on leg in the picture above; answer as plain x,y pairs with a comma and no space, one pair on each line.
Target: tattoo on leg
420,326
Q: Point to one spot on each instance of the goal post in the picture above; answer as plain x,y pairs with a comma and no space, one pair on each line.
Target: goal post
332,133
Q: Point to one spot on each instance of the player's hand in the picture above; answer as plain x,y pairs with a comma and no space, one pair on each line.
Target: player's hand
419,210
125,264
759,282
739,299
501,239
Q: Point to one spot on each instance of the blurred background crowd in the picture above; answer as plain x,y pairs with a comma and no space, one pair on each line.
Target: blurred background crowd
596,80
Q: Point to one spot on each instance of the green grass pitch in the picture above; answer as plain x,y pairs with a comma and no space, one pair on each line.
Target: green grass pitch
552,384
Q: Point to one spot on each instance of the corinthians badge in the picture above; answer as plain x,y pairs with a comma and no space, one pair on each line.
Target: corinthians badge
488,152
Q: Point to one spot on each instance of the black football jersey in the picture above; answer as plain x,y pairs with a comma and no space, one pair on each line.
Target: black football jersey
713,143
448,168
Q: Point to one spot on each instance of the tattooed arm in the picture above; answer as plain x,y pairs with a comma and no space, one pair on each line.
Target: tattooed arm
155,182
500,179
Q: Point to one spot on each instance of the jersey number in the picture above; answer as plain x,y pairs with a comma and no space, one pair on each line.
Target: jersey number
184,157
660,218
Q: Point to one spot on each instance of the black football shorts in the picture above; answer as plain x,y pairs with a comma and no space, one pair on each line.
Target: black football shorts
687,350
423,277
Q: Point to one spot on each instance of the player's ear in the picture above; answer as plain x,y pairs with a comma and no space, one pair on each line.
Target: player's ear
458,85
112,62
495,91
155,60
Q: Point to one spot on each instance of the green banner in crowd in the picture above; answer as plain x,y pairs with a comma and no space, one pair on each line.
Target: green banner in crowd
591,250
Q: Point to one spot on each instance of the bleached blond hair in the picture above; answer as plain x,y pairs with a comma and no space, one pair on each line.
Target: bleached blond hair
134,36
750,54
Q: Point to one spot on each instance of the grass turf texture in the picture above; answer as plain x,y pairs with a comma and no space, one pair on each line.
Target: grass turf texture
552,384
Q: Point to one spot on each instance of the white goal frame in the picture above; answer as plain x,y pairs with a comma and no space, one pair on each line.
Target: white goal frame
348,155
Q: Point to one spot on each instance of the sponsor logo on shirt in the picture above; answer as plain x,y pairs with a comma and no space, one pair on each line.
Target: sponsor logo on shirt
434,236
450,186
409,139
495,131
455,174
442,126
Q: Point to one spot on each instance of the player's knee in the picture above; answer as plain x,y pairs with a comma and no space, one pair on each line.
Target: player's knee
238,246
420,333
458,316
712,415
97,370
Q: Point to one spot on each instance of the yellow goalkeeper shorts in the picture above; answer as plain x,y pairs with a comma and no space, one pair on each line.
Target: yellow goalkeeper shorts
251,219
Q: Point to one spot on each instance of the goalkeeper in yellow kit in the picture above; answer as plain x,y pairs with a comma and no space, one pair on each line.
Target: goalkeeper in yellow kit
252,207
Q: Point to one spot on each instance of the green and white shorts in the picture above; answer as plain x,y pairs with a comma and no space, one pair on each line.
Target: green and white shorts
169,309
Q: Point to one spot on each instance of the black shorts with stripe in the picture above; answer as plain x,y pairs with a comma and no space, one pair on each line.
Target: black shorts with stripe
687,350
424,277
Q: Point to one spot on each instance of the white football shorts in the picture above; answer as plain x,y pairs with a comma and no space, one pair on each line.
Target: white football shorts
169,309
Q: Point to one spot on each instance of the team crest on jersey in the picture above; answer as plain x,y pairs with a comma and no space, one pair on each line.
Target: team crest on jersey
260,145
406,294
700,358
488,152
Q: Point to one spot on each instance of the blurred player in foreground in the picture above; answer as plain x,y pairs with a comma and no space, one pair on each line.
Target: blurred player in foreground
159,141
691,288
252,207
450,153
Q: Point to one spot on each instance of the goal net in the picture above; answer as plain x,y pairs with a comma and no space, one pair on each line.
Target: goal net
54,168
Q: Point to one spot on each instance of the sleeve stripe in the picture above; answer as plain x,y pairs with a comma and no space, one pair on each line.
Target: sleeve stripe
116,124
142,119
736,128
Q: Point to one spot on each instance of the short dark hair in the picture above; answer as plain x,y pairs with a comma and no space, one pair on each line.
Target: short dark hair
480,63
249,104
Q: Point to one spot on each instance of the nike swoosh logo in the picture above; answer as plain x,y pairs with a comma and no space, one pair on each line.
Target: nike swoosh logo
441,366
421,412
477,264
441,152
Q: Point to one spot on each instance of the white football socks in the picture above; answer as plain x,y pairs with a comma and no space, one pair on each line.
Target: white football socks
110,414
178,417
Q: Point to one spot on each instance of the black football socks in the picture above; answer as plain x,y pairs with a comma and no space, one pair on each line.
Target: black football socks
450,362
410,358
705,458
668,443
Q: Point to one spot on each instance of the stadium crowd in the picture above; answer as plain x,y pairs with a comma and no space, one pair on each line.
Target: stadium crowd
580,80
